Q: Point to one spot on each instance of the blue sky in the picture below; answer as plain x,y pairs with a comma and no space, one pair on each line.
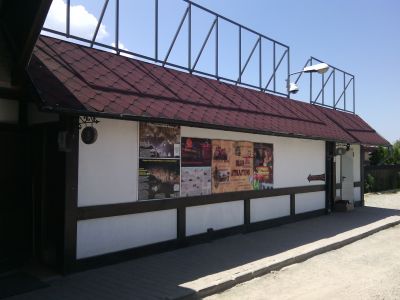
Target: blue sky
359,36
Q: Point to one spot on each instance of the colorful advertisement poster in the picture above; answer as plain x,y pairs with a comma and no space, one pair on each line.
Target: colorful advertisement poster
159,178
262,178
196,181
196,152
159,140
232,166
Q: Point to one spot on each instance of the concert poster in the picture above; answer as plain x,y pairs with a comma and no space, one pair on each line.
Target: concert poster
159,140
159,178
262,177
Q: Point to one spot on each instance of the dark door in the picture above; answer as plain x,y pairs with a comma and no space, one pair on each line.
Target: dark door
15,203
48,176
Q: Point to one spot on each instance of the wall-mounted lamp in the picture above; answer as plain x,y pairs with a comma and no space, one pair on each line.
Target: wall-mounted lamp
89,133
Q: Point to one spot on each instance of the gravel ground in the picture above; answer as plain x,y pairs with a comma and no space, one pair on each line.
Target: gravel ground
367,269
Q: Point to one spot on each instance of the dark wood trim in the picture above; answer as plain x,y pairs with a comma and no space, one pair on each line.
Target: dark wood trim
181,223
123,255
292,204
77,112
109,210
71,195
115,257
356,184
382,167
362,175
247,213
330,179
11,93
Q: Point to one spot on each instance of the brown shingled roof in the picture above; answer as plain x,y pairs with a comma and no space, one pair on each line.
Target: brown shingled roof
75,78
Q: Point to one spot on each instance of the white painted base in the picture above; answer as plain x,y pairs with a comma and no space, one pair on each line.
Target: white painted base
262,209
106,235
215,216
310,201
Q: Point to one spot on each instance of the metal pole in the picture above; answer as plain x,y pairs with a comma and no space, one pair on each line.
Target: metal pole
189,37
334,87
216,47
240,53
354,96
274,61
176,36
99,23
260,64
344,90
311,100
117,25
68,23
288,71
323,88
156,30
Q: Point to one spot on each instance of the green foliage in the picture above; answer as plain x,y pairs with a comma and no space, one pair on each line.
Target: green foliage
379,156
369,183
386,156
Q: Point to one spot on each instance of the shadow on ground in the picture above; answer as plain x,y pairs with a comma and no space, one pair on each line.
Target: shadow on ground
160,276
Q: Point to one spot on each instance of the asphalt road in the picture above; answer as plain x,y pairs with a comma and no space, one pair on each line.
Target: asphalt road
367,269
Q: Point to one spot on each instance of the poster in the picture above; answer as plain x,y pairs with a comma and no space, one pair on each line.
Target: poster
232,166
196,181
196,152
159,178
262,178
159,140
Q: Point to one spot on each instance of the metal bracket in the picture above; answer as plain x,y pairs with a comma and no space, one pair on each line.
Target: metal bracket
85,120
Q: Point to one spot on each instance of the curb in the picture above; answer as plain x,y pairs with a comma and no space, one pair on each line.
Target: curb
221,286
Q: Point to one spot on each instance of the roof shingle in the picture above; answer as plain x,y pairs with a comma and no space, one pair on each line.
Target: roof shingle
75,77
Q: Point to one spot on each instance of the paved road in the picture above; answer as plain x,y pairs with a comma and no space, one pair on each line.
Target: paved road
367,269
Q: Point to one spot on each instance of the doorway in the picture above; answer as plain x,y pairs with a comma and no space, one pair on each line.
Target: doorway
48,194
347,176
32,194
15,205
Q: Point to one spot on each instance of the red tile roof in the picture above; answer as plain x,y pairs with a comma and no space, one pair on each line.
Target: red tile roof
75,78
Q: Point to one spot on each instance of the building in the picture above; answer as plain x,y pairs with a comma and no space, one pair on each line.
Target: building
128,158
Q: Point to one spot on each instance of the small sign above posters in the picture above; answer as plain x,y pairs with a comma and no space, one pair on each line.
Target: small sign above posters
196,166
232,166
159,178
159,140
262,178
196,152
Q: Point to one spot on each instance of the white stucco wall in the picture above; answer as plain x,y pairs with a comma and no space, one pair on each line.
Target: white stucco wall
108,173
356,163
310,201
338,162
8,111
262,209
105,235
215,216
108,168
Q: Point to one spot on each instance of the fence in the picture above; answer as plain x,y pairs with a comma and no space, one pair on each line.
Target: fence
380,178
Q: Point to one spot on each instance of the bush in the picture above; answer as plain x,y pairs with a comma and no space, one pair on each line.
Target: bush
369,184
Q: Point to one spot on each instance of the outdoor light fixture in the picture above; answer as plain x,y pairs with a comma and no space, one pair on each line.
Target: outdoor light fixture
89,133
321,68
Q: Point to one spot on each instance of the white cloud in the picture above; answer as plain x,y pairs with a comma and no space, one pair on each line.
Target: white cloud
82,22
122,47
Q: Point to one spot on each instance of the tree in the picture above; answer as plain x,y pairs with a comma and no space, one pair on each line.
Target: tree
379,156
